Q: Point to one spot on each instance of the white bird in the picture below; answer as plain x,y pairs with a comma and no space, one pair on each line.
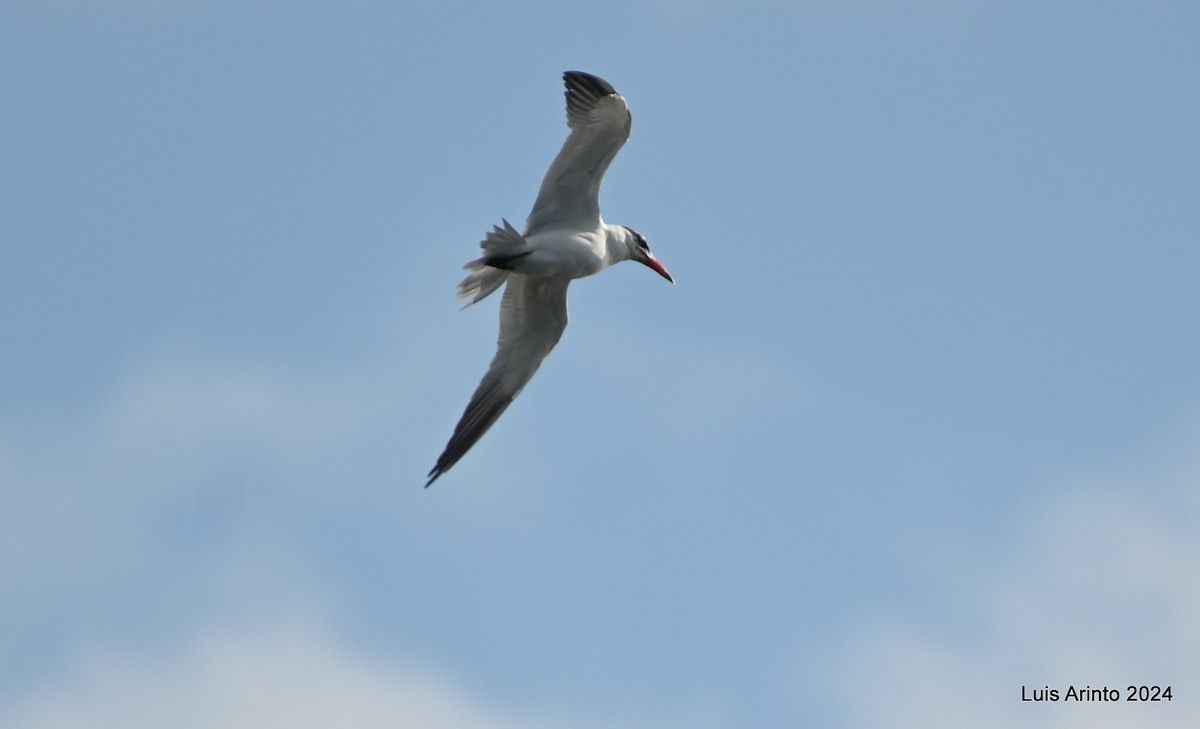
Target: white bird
564,238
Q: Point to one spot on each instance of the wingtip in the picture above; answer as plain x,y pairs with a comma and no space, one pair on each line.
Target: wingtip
584,91
584,81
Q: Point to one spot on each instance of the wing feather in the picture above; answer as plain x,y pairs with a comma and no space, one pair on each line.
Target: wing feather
600,122
533,315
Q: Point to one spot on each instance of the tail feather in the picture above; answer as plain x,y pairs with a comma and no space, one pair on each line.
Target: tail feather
503,242
501,247
482,281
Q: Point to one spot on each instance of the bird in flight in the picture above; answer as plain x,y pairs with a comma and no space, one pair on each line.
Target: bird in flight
564,238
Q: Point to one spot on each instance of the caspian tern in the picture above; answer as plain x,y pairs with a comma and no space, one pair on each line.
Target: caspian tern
564,238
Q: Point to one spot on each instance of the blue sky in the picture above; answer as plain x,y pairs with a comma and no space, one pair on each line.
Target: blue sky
917,426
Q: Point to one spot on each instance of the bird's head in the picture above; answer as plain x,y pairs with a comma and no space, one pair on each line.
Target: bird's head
639,250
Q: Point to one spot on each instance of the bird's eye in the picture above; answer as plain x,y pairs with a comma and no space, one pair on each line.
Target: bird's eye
641,241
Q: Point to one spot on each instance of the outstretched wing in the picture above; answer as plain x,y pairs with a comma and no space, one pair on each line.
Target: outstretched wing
600,122
533,315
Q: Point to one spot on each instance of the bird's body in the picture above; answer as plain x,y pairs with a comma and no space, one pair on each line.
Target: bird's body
565,238
566,253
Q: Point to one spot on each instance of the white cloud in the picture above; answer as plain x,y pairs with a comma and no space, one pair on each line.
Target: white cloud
291,674
1103,590
85,496
81,490
177,463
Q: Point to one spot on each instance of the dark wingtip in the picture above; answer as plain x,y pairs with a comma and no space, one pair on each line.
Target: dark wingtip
583,81
433,475
583,92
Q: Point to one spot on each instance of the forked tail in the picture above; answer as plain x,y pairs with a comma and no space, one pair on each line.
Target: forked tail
501,247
